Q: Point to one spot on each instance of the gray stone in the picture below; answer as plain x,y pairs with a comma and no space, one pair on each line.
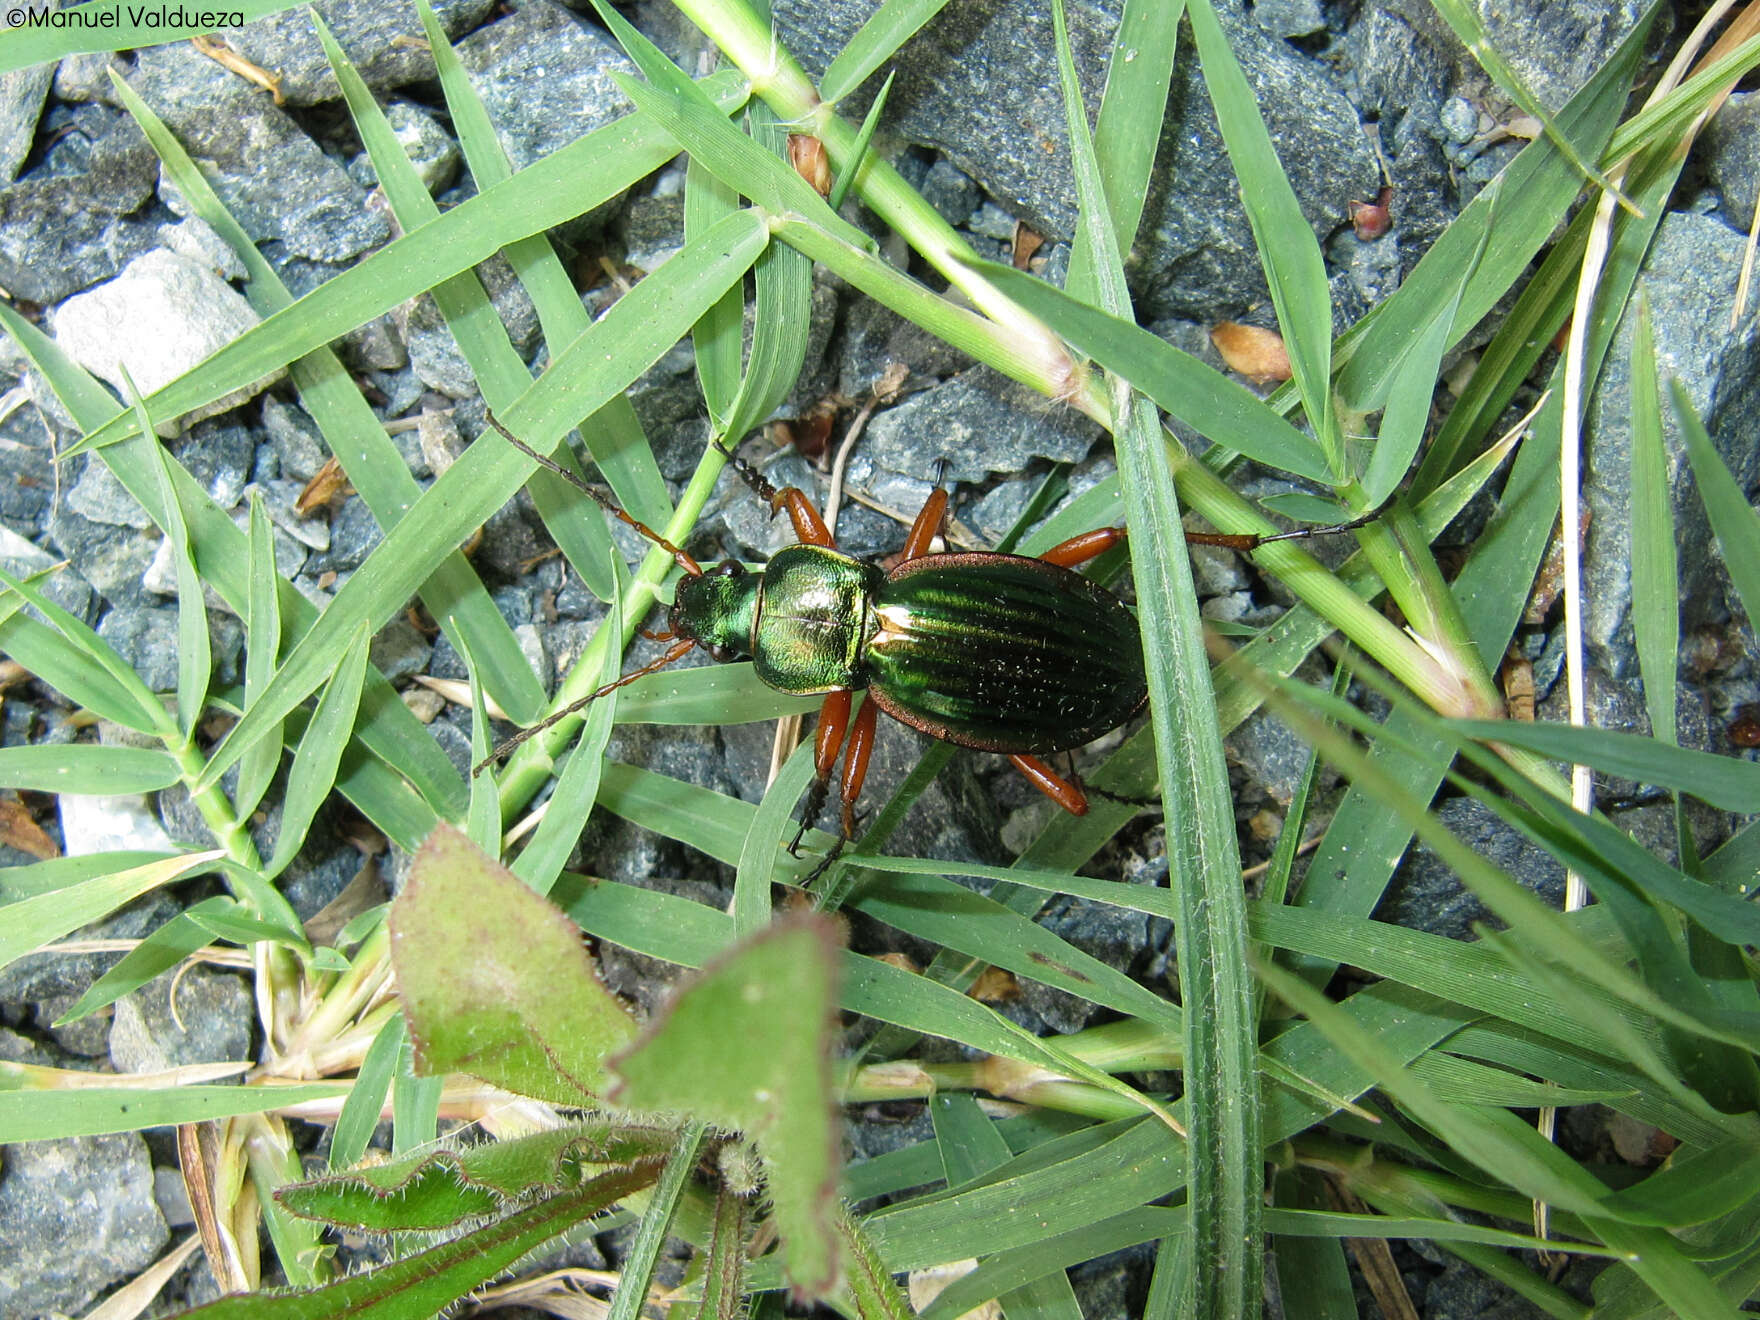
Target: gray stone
63,225
146,639
298,444
545,78
280,501
353,534
1116,936
66,588
194,238
399,650
160,317
981,84
1691,267
434,154
21,102
1731,147
433,353
951,191
211,1022
100,496
1427,894
981,422
114,560
383,39
652,230
1460,120
219,457
875,337
76,1216
27,472
86,76
1289,18
277,183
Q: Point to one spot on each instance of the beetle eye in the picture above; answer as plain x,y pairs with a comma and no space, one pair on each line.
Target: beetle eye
723,654
729,568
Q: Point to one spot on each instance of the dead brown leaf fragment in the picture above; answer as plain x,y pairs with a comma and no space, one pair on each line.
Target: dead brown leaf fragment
1252,351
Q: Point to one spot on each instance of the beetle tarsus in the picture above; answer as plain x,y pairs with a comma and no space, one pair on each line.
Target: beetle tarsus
825,862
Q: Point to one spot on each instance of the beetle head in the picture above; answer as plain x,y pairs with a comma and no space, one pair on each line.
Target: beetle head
717,609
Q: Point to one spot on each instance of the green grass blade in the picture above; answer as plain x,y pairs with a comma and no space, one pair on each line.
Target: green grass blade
637,1272
613,434
1539,186
1723,781
563,185
758,858
86,768
49,916
74,660
157,953
195,660
887,28
718,336
1407,416
1221,1078
1733,520
1127,131
1294,268
565,815
847,176
1224,411
320,751
783,314
94,1111
629,339
262,653
366,1097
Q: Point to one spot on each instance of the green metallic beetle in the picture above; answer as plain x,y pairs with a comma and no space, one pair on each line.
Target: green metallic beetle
996,652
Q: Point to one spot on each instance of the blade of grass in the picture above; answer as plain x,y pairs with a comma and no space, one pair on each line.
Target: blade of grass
1127,131
1221,1082
630,338
613,434
565,184
1294,268
320,751
195,660
387,728
262,652
1733,520
887,28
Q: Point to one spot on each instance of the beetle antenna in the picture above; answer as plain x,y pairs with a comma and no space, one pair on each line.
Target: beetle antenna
598,497
501,749
760,484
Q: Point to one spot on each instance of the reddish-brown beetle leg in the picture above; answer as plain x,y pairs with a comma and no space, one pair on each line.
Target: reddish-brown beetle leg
827,741
855,763
1078,550
1065,792
927,526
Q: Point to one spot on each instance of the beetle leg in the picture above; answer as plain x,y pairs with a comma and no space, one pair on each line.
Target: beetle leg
855,763
1067,793
927,526
827,741
1078,550
809,527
